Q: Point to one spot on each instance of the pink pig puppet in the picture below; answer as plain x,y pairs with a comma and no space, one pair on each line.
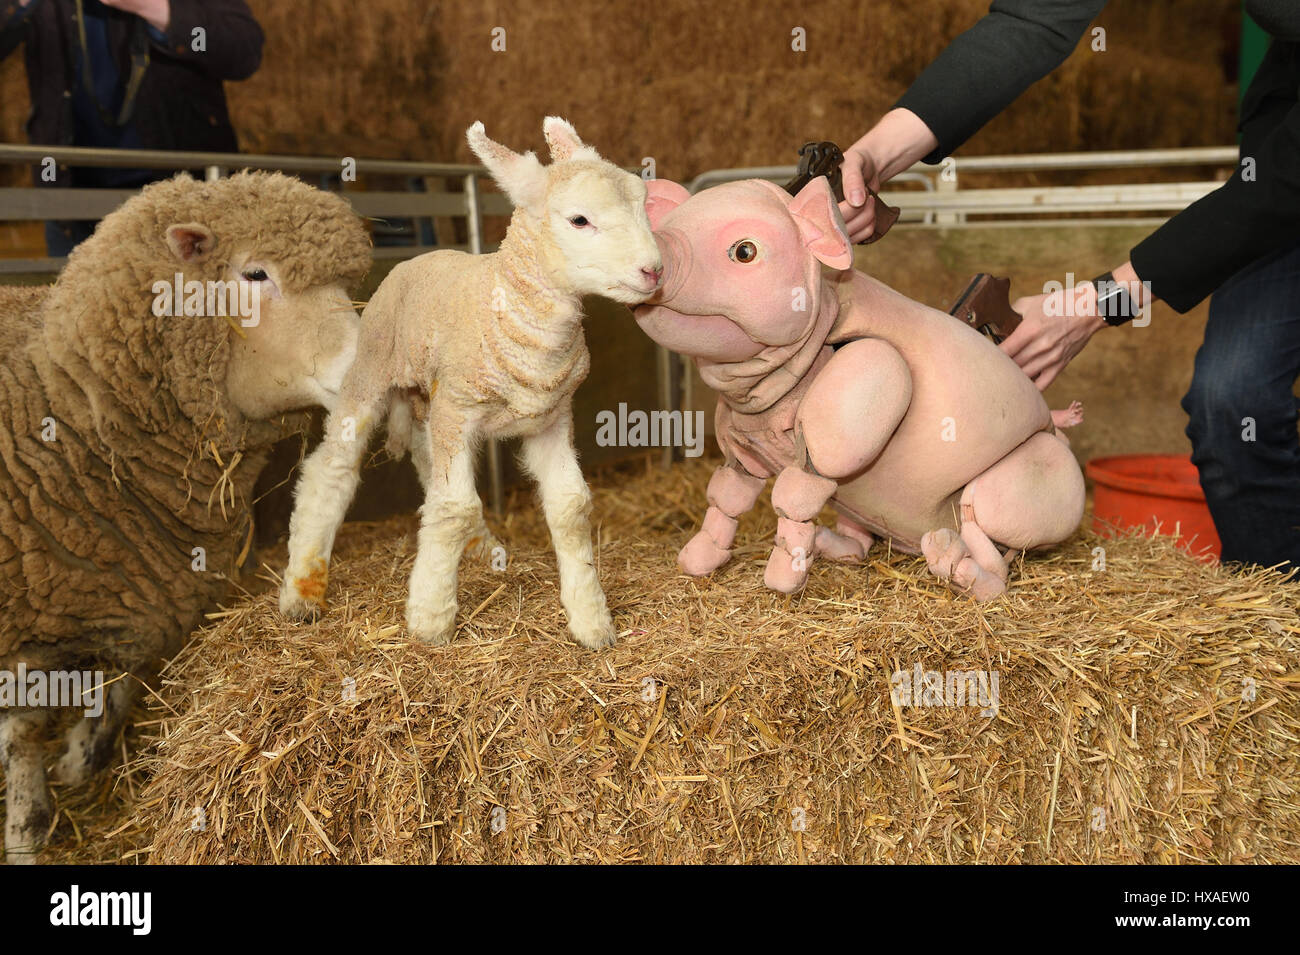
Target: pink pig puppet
915,428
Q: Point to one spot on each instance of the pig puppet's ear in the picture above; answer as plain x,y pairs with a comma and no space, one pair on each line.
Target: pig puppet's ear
662,196
521,176
820,225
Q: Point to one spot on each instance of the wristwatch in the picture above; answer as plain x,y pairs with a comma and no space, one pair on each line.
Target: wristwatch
1114,305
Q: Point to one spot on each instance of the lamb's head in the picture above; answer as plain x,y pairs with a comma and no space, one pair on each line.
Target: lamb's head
588,214
232,297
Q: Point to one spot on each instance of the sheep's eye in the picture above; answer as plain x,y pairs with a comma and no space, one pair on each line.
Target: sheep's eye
744,252
255,275
578,222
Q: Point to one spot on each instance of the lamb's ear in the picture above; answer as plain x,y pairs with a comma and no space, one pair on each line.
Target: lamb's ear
819,222
662,196
563,142
521,176
190,241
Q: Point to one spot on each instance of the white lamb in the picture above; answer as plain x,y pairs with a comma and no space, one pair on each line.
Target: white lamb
492,347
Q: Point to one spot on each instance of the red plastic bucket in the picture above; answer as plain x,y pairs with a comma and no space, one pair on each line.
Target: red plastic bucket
1160,493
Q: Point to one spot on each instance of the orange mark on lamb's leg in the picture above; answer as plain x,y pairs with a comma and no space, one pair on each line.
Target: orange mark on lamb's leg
312,587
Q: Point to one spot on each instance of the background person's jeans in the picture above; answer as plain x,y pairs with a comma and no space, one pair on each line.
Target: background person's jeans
61,236
1245,371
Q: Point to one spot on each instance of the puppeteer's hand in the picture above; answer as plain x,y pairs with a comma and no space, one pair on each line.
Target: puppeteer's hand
1056,326
900,139
157,13
859,171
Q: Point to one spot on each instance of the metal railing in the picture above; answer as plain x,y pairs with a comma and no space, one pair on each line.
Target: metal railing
35,204
941,201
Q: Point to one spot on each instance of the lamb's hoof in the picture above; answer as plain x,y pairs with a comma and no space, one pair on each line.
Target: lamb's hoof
594,634
838,547
483,545
295,607
303,597
701,556
786,573
429,626
949,559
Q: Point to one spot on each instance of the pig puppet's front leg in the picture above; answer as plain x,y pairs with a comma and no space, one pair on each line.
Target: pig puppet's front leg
732,492
844,422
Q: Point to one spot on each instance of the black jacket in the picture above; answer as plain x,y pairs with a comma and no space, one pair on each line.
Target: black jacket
1191,255
181,102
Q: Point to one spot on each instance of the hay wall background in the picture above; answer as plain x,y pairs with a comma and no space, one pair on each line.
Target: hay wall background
694,85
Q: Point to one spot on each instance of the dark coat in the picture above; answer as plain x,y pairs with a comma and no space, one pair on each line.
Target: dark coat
181,102
1255,213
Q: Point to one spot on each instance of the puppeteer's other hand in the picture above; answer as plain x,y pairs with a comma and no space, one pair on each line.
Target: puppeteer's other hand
157,13
1056,326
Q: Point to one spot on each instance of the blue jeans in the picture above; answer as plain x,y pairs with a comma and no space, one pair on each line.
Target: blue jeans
1243,412
62,237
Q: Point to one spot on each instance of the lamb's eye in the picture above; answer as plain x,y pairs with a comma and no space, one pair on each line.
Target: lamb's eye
578,222
744,252
255,275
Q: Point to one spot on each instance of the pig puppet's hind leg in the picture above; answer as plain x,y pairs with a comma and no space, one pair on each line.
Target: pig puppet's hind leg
1031,498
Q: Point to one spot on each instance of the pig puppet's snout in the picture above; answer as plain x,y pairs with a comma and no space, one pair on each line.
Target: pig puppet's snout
675,263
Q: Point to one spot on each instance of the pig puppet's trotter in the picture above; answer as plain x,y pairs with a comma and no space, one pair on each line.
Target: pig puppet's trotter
915,428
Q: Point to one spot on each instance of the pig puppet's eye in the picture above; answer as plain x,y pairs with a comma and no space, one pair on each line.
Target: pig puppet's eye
744,251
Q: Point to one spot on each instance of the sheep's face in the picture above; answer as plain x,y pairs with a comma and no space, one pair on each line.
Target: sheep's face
294,352
591,214
597,222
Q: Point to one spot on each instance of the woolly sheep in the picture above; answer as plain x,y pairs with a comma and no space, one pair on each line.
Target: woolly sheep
485,346
133,439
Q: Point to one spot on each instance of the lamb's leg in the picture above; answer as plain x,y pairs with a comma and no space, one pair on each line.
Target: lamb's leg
91,741
482,542
550,457
330,476
732,492
1032,498
449,515
28,808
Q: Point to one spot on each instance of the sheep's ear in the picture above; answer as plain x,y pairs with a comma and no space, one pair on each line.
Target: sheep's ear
190,242
563,142
662,196
820,225
521,176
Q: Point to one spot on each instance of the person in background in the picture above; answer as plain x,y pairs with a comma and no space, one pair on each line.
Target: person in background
1241,242
128,74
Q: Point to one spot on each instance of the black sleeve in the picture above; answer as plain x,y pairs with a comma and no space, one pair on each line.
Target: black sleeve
233,38
982,71
13,24
1254,213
